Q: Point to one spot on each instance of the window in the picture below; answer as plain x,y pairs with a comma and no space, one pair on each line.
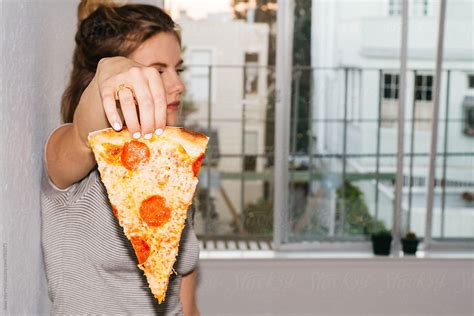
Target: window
250,151
251,73
394,7
424,105
389,111
423,88
390,86
468,117
420,7
417,7
470,81
199,60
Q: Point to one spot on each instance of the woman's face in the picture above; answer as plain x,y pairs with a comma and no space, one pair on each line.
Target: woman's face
163,52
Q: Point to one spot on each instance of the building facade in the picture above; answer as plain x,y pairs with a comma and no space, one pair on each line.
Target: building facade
356,60
227,74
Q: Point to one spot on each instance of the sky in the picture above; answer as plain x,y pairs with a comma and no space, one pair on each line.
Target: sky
197,9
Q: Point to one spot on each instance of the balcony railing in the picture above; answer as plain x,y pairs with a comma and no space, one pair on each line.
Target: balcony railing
342,154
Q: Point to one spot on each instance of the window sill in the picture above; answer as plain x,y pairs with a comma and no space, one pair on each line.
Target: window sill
289,255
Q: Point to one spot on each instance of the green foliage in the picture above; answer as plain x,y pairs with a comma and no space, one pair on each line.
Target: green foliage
258,217
377,227
301,91
351,200
358,220
410,236
187,106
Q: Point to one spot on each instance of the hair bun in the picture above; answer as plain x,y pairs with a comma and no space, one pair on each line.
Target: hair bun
86,7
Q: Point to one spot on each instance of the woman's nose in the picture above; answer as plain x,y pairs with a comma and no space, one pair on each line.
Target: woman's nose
177,85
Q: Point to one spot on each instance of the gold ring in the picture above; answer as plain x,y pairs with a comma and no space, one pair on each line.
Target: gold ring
121,87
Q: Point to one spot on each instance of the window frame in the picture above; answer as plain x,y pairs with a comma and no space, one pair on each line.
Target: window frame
394,7
393,86
467,109
281,170
424,91
419,8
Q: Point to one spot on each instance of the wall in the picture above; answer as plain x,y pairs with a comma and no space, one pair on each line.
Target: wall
325,286
37,41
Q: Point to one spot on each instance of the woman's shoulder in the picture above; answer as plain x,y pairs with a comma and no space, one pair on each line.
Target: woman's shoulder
71,194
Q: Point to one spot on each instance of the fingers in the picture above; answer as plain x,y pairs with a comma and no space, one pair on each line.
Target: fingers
142,101
159,99
108,100
145,102
127,103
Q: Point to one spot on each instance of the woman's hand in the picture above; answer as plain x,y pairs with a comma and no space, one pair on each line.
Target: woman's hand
142,98
143,107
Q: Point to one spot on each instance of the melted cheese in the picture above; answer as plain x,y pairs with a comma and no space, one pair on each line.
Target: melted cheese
168,173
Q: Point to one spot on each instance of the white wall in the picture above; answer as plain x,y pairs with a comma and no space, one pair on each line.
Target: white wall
328,286
37,39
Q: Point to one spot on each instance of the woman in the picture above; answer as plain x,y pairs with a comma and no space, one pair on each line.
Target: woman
126,68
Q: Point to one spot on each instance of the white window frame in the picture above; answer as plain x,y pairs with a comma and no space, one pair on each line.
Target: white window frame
282,128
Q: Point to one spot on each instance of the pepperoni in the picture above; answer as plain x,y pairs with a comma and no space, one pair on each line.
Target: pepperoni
112,152
154,211
134,153
197,164
114,210
142,250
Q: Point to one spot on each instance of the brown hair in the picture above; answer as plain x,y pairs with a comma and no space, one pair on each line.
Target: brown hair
107,30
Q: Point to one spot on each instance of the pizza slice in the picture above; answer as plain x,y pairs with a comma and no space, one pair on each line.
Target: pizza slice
150,184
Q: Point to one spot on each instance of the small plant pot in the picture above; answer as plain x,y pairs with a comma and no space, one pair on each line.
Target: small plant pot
410,246
381,244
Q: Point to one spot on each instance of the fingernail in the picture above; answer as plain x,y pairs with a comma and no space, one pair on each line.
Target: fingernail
116,126
136,135
159,131
148,136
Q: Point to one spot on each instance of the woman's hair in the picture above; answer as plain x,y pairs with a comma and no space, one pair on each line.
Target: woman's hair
105,30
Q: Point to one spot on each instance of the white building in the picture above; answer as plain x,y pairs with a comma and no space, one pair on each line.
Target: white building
365,37
215,52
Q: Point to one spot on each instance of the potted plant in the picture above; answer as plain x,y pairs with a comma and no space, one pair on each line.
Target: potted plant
381,238
410,243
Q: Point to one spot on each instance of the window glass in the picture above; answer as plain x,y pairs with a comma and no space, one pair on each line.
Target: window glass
346,57
229,54
470,81
423,87
342,181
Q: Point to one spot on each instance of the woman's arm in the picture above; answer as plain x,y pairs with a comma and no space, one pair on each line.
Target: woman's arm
188,294
68,155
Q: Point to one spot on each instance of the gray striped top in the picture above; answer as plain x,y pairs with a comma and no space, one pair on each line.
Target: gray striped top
90,265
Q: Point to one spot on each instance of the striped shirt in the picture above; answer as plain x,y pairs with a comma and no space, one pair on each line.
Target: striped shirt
90,265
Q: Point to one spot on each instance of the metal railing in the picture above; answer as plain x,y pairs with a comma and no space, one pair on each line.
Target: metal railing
311,156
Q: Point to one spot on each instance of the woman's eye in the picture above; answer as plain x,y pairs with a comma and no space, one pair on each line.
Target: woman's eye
179,70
